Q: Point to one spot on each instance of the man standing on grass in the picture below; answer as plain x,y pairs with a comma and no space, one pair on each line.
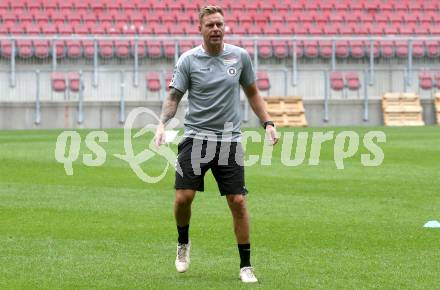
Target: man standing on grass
212,74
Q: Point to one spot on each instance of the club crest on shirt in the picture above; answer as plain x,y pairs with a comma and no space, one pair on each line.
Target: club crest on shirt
232,71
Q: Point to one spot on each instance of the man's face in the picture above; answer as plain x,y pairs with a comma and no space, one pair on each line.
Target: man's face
212,28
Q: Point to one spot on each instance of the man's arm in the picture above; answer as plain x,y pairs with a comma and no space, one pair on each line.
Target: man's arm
169,110
258,105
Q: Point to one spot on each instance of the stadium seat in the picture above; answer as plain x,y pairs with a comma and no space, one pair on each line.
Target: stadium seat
6,48
418,49
153,81
58,82
74,83
73,48
342,49
141,48
425,80
154,49
248,45
41,48
336,81
88,48
280,49
105,48
401,49
433,49
352,80
299,48
264,49
169,48
263,82
357,48
24,48
185,45
387,48
122,48
311,48
325,48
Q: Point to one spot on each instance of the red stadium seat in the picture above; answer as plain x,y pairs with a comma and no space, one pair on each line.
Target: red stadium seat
387,48
88,48
336,81
357,48
401,48
342,49
105,48
264,49
280,49
153,81
185,45
122,48
24,48
6,48
311,48
376,52
263,82
248,45
154,49
418,49
353,82
299,48
73,48
169,49
425,80
41,48
74,83
58,82
325,48
141,49
433,49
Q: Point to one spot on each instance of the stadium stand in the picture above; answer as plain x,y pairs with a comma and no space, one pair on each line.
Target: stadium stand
287,111
343,17
307,48
402,109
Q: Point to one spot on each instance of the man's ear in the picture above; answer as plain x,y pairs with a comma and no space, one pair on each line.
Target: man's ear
200,28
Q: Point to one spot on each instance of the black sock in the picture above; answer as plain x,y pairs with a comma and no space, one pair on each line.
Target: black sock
245,255
183,234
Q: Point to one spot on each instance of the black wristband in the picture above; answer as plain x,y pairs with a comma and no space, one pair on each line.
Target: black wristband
268,123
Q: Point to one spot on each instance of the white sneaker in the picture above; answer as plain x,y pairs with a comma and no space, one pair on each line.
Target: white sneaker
182,257
247,275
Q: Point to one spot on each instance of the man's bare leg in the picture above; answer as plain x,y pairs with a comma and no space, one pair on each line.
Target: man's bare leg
237,204
182,213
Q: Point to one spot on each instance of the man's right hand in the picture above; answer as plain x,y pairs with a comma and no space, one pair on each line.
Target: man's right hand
159,137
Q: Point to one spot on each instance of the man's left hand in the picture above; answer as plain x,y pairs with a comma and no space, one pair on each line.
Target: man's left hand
271,132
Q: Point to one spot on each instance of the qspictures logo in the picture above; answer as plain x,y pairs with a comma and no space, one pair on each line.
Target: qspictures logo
293,145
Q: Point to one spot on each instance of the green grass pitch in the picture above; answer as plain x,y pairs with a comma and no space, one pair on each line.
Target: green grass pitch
313,227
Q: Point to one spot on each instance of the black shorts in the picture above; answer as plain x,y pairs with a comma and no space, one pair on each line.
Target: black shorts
225,159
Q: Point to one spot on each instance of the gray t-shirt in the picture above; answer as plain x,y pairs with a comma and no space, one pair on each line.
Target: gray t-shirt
213,85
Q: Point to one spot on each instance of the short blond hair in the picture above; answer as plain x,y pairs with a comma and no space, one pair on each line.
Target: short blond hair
208,10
